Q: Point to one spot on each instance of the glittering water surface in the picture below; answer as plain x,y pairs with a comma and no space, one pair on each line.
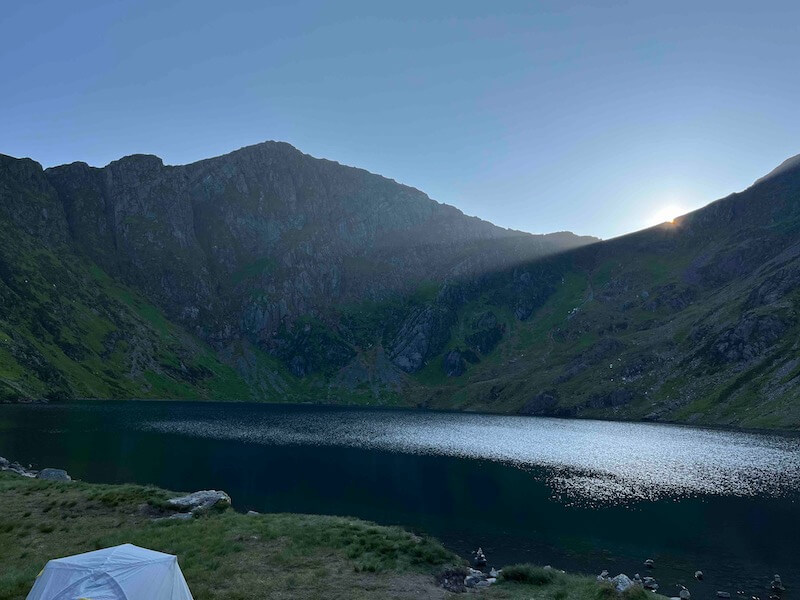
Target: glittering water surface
581,495
589,460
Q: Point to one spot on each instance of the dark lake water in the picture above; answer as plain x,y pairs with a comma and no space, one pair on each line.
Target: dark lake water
579,495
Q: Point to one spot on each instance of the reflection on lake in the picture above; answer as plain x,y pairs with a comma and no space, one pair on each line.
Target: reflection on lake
581,495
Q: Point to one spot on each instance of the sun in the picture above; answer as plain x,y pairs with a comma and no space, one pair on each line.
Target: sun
666,214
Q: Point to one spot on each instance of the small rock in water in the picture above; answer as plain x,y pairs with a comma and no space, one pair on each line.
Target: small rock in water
252,513
723,595
479,558
650,584
777,584
685,594
603,576
698,575
53,475
649,563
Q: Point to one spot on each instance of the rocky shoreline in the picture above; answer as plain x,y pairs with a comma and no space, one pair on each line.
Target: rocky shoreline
455,579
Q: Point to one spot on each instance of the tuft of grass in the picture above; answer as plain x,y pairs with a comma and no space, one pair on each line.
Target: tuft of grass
529,574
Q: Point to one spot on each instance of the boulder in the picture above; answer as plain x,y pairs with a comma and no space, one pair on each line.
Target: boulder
452,579
15,467
53,475
698,575
649,563
200,502
685,594
252,513
622,582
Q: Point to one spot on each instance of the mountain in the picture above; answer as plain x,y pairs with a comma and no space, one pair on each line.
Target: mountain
692,321
267,274
254,275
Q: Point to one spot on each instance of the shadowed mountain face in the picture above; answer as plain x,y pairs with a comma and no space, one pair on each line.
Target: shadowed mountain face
265,253
267,274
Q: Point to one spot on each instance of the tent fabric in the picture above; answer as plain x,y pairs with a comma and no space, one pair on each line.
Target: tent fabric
124,572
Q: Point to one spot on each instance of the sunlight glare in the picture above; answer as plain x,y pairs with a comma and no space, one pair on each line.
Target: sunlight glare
666,214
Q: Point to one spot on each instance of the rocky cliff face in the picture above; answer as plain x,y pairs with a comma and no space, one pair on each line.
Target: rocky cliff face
267,274
265,246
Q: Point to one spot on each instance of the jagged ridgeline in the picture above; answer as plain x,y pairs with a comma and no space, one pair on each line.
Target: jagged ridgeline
270,275
263,274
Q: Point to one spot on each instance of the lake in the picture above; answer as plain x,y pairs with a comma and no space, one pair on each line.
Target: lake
579,495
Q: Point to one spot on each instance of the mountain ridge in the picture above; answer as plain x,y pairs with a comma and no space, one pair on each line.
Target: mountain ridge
290,278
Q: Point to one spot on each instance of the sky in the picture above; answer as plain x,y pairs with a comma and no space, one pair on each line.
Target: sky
594,117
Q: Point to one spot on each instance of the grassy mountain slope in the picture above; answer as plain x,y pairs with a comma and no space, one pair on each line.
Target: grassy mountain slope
68,330
692,321
269,275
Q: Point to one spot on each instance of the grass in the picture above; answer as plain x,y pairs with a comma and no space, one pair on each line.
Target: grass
226,555
239,557
525,581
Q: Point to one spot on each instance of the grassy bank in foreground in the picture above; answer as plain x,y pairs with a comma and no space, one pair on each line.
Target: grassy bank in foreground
238,557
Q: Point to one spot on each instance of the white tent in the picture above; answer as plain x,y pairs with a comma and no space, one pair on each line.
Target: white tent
124,572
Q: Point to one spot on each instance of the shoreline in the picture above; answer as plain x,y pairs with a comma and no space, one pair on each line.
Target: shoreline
274,554
789,432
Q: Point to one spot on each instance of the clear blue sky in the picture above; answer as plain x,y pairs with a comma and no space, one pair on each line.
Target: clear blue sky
592,117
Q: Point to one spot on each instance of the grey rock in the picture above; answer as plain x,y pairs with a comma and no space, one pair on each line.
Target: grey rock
684,594
650,584
698,575
748,339
724,595
202,501
622,582
15,467
252,513
454,364
49,474
649,563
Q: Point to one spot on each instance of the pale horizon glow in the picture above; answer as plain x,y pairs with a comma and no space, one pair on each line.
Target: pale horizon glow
541,117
